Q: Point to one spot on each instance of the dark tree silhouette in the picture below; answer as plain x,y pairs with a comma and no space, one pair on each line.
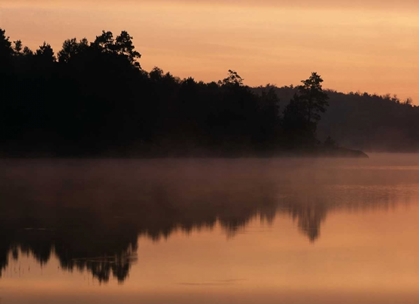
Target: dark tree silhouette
71,48
124,46
6,50
313,97
298,130
46,53
302,114
233,79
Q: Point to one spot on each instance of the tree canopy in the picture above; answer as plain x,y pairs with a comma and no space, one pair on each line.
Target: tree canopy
301,115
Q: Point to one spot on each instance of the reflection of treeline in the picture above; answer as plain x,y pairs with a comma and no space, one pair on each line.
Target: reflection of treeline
93,98
91,213
101,236
364,121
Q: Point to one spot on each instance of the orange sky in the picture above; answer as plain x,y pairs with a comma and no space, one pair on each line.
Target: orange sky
354,45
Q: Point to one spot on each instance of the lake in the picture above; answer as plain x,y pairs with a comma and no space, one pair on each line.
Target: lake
291,230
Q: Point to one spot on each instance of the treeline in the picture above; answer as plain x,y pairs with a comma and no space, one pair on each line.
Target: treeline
94,99
364,121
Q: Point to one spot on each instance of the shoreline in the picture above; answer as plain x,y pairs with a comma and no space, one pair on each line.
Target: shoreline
198,154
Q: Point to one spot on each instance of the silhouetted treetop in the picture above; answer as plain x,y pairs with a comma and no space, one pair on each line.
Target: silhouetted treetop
72,48
6,52
301,115
17,46
121,45
232,79
46,53
313,97
105,42
124,45
5,45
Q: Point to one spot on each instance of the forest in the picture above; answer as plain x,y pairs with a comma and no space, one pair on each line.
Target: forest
94,99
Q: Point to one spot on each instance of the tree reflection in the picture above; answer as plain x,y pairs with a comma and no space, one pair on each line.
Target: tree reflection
309,219
90,218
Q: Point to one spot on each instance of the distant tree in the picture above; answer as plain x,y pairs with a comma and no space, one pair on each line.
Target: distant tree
156,74
121,45
408,101
17,47
395,99
27,51
124,46
313,97
301,115
232,79
6,52
104,42
5,45
72,48
45,52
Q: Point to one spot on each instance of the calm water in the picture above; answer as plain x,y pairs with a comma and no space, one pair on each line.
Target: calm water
210,230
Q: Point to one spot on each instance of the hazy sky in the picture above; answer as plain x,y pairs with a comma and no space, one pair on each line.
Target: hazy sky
358,45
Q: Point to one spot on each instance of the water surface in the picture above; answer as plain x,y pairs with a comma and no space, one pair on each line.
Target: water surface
210,230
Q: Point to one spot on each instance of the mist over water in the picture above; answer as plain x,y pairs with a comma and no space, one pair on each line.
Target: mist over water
182,226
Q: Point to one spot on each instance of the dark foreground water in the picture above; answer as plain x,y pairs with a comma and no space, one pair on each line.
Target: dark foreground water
210,230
